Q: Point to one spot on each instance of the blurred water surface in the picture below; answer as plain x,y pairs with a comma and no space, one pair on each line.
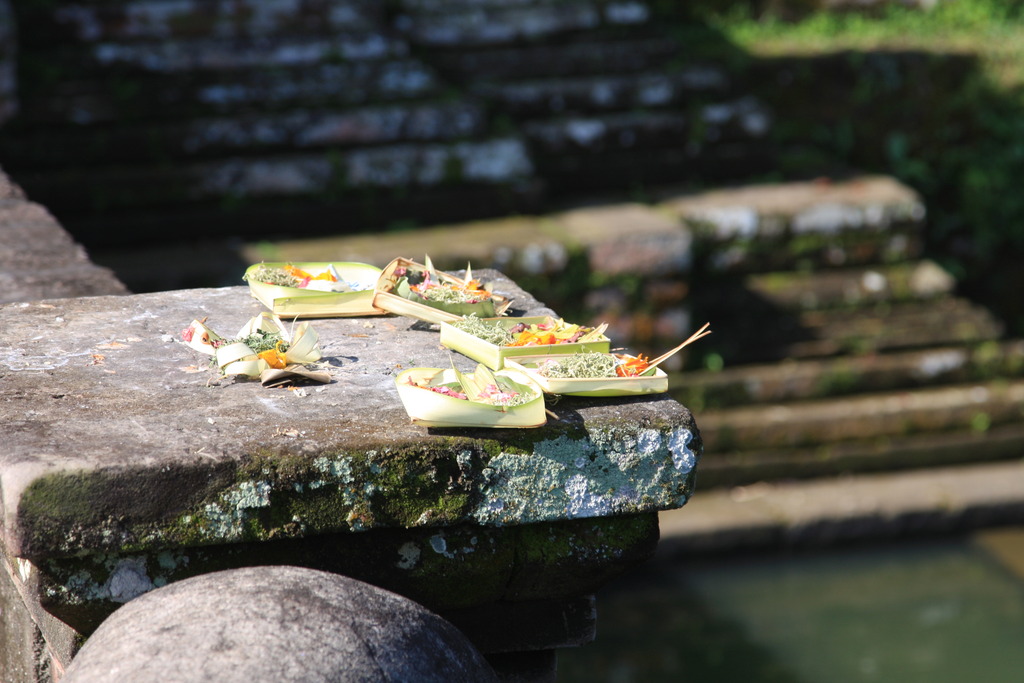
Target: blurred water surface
932,611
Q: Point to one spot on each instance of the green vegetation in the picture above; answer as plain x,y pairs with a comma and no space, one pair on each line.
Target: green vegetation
933,97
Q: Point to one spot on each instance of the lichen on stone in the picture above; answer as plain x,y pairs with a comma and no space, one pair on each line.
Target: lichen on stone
621,470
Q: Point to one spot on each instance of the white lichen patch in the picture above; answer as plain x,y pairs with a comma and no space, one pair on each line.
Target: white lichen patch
582,501
615,471
408,555
439,545
338,469
648,442
226,519
128,580
115,578
77,589
451,548
683,457
250,494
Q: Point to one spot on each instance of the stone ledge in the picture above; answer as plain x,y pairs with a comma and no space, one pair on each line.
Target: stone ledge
825,205
868,219
116,441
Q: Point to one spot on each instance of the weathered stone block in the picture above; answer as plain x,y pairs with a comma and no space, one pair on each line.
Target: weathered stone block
455,567
276,623
519,244
767,227
602,93
442,23
610,55
135,20
214,473
23,655
597,133
153,476
276,52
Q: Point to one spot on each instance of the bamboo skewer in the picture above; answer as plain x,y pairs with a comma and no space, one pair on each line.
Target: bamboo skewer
668,354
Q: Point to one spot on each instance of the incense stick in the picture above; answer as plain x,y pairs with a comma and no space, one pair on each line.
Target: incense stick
668,354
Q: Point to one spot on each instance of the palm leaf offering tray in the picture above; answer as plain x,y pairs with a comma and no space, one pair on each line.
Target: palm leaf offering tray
434,397
491,340
420,291
600,374
592,374
263,348
320,289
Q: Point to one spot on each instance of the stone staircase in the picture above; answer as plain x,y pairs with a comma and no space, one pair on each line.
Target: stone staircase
832,361
139,119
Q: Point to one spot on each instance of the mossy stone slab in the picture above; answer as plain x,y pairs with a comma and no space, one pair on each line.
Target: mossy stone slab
118,442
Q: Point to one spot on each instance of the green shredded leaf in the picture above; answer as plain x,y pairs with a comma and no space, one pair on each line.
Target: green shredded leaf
272,276
579,366
489,332
444,294
259,341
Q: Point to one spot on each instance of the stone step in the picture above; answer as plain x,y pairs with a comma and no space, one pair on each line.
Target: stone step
899,325
574,57
764,334
490,162
486,22
276,50
297,128
176,96
742,120
791,380
888,453
829,289
555,96
139,20
889,505
791,226
865,417
288,131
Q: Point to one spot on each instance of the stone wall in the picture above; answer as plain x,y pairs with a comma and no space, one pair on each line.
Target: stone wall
348,114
